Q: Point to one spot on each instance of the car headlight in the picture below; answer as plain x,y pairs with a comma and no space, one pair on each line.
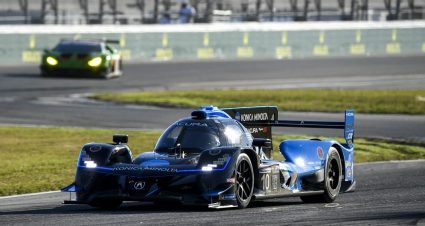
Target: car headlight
208,167
95,62
85,160
90,164
51,61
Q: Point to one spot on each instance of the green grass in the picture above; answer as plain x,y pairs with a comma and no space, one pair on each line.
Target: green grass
42,159
323,100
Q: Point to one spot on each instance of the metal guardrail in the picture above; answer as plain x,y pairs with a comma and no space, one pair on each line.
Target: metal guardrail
24,44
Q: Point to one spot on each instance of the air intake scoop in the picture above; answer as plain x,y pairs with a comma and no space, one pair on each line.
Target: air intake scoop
209,112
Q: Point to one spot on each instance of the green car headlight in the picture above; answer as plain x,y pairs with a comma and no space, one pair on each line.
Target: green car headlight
95,62
51,61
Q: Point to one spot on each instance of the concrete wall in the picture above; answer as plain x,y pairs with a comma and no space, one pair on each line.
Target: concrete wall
24,44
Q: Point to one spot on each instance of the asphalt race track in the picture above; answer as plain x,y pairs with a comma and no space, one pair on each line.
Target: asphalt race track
390,193
387,193
27,98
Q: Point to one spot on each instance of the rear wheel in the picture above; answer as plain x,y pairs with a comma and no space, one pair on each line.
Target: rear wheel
244,180
332,180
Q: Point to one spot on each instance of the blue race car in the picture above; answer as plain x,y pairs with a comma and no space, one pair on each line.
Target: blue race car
220,158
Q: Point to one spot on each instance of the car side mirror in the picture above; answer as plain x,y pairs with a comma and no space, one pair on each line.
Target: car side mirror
262,142
120,138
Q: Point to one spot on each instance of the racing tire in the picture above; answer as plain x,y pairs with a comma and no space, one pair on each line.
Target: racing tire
45,74
106,204
332,180
120,65
244,180
106,73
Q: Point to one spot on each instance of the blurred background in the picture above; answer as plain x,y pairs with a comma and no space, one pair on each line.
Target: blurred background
207,11
311,58
158,30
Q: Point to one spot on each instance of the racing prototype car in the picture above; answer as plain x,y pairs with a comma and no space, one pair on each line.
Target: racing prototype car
219,158
91,58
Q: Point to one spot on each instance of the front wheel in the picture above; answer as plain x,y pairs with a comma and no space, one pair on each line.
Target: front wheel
105,73
332,182
244,180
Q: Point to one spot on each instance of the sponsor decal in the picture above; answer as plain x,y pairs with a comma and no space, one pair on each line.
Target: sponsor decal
137,168
275,169
231,180
253,130
231,196
320,152
349,114
349,172
221,161
170,170
258,130
349,138
126,168
349,126
254,117
95,148
275,181
266,182
139,185
192,124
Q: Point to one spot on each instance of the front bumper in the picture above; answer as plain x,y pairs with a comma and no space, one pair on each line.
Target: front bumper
72,72
193,188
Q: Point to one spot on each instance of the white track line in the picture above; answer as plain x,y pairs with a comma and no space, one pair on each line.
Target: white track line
391,161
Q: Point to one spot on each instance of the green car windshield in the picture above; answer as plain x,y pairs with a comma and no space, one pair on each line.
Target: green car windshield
74,47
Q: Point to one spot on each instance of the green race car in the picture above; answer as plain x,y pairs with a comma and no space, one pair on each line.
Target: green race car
82,58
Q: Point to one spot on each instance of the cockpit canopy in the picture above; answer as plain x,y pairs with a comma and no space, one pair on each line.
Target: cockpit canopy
196,135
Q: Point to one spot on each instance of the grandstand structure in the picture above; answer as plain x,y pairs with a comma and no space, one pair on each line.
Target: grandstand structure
208,11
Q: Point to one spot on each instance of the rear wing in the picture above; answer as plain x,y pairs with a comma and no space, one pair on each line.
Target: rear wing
111,41
260,120
105,40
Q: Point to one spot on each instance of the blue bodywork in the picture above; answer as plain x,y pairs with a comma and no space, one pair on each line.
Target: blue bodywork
301,156
108,171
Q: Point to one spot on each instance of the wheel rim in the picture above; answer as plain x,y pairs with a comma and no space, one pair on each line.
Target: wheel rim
333,174
243,180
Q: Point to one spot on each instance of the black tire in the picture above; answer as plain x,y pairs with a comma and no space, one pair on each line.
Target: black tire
44,73
106,73
120,65
106,204
332,180
244,175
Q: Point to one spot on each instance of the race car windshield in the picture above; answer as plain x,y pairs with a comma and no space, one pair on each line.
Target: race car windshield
191,137
78,47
